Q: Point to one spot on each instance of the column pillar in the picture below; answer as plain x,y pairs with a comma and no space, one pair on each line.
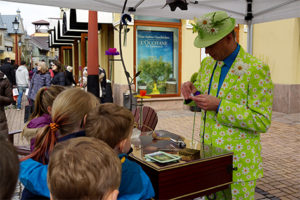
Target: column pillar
82,54
76,71
16,50
93,63
60,58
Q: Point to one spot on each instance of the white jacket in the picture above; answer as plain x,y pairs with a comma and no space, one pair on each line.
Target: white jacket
22,77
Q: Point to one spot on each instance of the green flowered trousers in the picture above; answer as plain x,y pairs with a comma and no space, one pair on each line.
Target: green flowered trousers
236,191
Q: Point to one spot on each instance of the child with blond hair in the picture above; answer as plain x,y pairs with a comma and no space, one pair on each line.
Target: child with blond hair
68,115
114,124
84,168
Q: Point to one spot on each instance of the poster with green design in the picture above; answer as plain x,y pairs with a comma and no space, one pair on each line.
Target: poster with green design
155,59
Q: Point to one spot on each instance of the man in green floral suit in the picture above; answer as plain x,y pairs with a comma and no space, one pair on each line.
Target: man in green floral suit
235,92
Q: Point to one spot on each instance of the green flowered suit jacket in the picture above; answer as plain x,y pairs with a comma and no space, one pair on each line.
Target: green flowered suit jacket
244,112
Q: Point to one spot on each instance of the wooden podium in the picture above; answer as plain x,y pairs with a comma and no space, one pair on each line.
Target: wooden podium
209,173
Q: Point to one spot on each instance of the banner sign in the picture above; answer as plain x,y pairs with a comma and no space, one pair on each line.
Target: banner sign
155,44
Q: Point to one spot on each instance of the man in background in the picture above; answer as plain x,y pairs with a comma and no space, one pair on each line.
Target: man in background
8,70
22,79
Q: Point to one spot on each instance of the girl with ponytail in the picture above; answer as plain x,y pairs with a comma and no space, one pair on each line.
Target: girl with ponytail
68,115
41,114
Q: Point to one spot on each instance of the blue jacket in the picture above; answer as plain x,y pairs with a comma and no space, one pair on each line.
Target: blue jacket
33,175
135,184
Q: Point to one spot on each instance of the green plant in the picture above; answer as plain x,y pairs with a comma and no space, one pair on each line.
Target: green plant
141,83
154,70
162,87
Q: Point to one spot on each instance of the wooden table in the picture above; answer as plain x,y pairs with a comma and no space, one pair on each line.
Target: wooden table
185,179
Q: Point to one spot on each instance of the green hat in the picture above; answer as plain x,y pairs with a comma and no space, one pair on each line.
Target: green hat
212,27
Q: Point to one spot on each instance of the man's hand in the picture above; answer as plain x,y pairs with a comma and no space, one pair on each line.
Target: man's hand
187,89
206,102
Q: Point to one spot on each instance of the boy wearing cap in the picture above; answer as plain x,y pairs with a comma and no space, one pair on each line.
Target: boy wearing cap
235,92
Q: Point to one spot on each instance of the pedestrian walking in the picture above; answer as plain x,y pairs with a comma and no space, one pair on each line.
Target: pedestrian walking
22,79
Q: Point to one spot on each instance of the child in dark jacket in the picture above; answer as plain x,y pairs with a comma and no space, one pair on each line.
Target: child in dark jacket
68,116
114,124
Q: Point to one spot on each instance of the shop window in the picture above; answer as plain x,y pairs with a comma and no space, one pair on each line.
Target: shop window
157,47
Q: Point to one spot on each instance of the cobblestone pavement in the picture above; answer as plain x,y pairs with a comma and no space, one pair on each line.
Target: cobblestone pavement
280,149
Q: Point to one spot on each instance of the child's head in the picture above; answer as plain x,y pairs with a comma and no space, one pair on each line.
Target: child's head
111,123
68,115
70,108
84,168
44,100
9,169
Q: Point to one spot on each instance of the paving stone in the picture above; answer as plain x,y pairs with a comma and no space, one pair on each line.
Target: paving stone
259,196
275,198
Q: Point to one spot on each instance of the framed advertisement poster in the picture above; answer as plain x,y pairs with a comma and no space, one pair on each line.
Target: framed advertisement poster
157,59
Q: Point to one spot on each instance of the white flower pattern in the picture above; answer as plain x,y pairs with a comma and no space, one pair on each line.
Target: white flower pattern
246,105
240,68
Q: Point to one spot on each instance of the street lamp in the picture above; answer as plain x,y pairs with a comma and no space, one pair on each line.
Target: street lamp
20,51
16,28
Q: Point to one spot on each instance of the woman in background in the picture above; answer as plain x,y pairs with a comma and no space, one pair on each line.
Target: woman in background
59,75
39,79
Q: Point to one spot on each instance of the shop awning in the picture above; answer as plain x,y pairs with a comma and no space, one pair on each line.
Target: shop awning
75,21
53,43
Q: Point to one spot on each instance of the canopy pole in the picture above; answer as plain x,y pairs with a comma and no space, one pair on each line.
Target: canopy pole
250,37
248,19
121,55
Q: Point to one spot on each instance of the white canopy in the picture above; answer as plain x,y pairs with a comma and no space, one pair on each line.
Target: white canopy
263,10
